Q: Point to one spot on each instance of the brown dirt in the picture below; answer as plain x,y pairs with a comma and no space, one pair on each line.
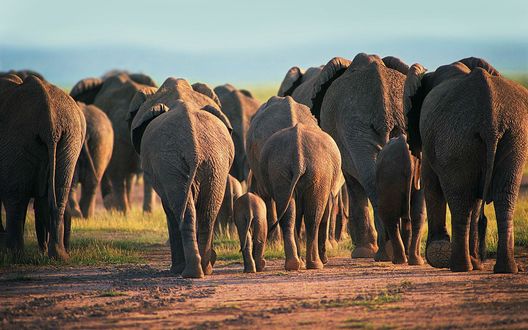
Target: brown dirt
347,294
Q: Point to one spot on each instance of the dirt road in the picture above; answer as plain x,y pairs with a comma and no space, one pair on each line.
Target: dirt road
346,294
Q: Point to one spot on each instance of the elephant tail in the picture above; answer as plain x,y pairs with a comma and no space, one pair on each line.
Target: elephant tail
52,156
249,220
296,176
88,156
491,151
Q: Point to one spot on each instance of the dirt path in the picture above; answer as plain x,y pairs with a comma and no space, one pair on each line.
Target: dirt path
347,293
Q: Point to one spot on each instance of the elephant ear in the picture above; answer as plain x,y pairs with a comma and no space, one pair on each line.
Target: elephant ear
246,93
143,79
207,91
137,101
141,121
475,62
413,95
220,115
395,63
331,71
291,81
86,90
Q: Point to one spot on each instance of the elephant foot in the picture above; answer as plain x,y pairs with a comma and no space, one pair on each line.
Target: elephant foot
57,253
108,202
213,257
400,259
505,267
316,264
477,265
416,261
76,213
367,251
462,266
324,259
249,269
292,264
382,256
303,263
261,265
438,253
193,270
177,269
208,269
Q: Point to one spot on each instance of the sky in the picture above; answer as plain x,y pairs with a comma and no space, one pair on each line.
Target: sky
258,27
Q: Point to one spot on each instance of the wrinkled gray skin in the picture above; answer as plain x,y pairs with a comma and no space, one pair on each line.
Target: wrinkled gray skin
401,204
186,152
249,213
299,84
42,131
277,113
224,219
359,103
113,95
301,169
92,163
484,117
239,106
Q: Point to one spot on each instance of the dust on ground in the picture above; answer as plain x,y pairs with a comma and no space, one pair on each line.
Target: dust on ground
345,294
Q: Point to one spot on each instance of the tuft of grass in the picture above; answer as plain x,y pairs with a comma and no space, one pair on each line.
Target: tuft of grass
112,293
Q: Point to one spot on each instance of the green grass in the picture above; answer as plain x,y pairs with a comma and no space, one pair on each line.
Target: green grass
112,293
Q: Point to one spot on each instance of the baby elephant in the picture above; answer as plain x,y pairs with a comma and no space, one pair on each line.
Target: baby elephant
249,212
400,197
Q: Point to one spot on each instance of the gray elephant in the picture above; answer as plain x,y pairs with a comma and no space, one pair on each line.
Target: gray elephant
359,103
42,131
23,74
299,84
249,213
400,199
186,152
301,169
113,95
277,113
94,158
484,117
224,220
338,217
240,107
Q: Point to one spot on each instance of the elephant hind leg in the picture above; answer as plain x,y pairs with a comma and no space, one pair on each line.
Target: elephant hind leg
175,239
290,247
474,237
462,207
314,209
87,202
16,210
193,264
438,248
417,222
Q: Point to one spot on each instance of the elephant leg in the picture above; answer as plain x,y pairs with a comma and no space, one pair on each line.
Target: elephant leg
417,222
258,255
392,225
87,202
129,181
290,248
461,208
299,223
272,216
323,232
120,195
438,248
148,196
193,261
330,226
67,230
42,218
107,192
247,256
482,229
359,224
16,210
175,239
72,202
474,237
314,210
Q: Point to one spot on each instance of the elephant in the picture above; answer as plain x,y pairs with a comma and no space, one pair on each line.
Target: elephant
299,84
400,199
277,113
339,217
484,117
186,151
239,106
233,191
301,169
42,131
359,103
113,95
94,158
249,213
23,74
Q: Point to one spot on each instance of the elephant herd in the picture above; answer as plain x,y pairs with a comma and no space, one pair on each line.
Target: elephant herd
335,138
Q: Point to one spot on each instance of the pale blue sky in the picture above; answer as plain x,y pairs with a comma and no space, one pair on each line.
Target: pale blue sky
240,25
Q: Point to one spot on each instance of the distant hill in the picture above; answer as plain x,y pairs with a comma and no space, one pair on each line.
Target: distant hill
65,66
